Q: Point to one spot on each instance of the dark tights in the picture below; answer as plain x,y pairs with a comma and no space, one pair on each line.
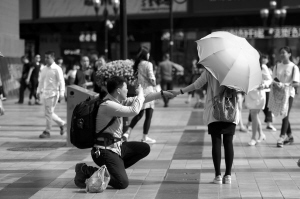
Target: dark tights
286,126
147,123
216,152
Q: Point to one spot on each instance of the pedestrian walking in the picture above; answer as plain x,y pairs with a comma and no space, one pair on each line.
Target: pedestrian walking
143,70
119,155
268,114
165,68
286,74
98,64
71,75
23,84
52,87
256,101
33,79
1,94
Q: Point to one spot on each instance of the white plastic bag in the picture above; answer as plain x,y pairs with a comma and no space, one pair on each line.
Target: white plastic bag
98,182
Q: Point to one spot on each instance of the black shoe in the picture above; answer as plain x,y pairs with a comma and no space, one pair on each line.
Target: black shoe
37,103
166,105
288,140
45,134
80,176
62,129
29,103
18,102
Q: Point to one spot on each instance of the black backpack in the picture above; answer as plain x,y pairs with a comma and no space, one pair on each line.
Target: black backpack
83,123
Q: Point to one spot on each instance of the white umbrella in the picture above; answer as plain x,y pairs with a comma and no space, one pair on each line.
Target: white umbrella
231,60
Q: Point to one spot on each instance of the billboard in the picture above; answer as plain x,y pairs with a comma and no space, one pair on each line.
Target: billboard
76,8
228,6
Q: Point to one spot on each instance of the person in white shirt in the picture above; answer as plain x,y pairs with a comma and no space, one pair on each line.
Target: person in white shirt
52,86
286,73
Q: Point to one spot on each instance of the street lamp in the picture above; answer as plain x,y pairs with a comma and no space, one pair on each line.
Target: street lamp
107,23
171,24
272,17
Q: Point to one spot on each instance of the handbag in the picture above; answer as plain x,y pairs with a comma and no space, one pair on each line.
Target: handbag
255,99
225,105
98,182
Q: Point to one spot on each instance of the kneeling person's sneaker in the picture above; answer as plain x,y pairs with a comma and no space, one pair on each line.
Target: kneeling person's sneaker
227,179
62,129
288,140
149,140
218,179
45,134
80,176
280,142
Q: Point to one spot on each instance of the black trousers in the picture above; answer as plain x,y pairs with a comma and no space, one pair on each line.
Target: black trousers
216,129
166,85
33,88
23,87
286,126
131,152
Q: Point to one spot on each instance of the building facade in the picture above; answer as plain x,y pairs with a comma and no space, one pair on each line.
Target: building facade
71,28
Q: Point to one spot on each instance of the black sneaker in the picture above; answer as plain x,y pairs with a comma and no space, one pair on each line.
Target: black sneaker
80,176
45,134
288,140
62,129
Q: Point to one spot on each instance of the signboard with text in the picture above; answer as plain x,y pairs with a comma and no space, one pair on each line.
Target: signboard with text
228,6
75,8
264,33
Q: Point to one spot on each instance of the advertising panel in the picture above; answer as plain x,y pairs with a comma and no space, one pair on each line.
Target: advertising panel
75,8
228,6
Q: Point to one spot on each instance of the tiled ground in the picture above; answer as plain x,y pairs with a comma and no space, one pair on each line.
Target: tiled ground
179,165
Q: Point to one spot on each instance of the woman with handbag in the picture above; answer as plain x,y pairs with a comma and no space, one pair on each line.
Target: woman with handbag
143,69
286,75
255,101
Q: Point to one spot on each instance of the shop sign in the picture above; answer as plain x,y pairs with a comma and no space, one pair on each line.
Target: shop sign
261,33
72,52
88,37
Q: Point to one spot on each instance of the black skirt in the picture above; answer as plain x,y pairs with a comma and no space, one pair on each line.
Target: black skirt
221,128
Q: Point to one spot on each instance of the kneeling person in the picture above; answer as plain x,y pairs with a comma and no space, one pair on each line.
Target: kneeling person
119,155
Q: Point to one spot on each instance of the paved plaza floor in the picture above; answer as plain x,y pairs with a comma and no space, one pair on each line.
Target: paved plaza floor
179,165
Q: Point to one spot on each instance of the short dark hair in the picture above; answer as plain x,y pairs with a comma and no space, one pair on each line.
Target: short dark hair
51,53
114,83
166,56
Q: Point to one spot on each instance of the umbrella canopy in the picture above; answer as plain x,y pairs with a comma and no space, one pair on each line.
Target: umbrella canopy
231,60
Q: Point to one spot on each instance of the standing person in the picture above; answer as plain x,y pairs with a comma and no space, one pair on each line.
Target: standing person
286,73
268,114
52,86
120,155
215,128
1,93
165,68
256,100
143,69
71,75
33,79
23,84
82,78
98,64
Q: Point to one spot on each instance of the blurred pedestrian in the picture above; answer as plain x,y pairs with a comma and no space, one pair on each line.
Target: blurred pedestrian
143,70
286,74
268,114
23,83
1,93
52,86
98,64
83,78
165,68
71,75
256,101
33,79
